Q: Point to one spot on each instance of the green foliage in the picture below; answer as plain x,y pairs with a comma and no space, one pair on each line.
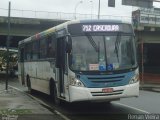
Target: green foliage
15,111
4,56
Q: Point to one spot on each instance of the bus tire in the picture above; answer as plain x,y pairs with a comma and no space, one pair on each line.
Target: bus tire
29,84
53,93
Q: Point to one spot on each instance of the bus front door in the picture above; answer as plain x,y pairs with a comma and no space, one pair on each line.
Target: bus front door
60,65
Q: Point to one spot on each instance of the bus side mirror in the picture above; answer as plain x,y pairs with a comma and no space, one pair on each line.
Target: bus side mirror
69,45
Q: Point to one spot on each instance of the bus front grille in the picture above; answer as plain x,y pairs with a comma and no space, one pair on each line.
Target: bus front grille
106,79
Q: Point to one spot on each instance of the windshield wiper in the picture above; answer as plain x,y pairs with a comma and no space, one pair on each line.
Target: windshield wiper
93,43
117,45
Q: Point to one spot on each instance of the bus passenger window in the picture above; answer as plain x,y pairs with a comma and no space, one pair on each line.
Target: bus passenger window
28,51
43,48
51,47
21,55
35,49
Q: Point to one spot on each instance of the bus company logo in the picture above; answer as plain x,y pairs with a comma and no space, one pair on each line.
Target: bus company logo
106,84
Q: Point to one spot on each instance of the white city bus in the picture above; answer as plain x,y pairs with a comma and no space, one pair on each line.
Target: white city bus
87,60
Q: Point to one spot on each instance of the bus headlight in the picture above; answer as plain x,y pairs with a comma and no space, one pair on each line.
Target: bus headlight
134,79
75,82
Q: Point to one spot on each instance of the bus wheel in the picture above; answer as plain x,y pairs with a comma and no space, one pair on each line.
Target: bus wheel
53,93
29,84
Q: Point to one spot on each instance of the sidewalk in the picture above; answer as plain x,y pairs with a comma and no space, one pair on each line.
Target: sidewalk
16,105
151,82
150,87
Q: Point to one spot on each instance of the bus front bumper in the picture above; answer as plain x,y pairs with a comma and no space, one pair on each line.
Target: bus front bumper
96,94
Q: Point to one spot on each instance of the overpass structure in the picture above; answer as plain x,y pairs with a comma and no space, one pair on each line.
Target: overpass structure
23,27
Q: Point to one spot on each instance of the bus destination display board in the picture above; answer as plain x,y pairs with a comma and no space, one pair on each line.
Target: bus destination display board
80,28
100,28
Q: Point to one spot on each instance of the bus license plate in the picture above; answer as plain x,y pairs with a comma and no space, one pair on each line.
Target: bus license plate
107,90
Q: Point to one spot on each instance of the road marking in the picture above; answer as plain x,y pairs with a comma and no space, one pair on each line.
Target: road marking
63,116
41,102
133,108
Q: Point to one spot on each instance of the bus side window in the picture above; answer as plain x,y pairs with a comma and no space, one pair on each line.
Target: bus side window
43,48
51,47
21,55
35,50
28,51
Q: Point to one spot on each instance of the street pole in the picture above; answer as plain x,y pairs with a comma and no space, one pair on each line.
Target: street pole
8,42
142,47
91,7
99,5
75,9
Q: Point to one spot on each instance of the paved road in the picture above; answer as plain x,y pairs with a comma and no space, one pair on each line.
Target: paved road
147,102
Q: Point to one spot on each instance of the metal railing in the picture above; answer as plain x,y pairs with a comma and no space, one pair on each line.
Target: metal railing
58,15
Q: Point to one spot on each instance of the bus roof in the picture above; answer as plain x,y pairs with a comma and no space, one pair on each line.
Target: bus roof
102,20
64,25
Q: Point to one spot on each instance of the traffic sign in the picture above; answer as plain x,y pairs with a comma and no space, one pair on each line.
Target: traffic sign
139,3
111,3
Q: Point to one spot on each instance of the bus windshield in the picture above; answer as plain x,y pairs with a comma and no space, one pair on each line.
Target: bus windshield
103,52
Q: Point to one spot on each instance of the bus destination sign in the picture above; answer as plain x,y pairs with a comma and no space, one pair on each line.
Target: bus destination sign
100,28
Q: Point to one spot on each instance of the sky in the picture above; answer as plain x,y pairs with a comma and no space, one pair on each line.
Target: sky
69,6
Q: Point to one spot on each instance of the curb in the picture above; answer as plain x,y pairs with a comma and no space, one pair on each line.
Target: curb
42,103
152,89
